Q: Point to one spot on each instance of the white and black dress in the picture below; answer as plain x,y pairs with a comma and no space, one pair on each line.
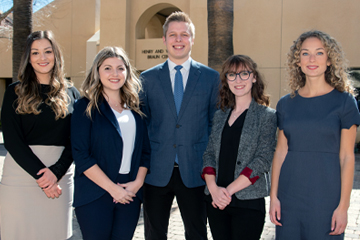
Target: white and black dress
34,142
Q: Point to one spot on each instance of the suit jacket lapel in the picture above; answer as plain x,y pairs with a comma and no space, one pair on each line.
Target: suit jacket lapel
164,77
193,78
108,113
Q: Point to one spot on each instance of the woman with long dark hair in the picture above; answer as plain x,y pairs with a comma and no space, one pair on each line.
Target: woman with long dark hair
36,189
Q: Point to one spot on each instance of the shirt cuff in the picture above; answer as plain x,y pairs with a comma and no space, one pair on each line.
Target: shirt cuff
208,170
247,173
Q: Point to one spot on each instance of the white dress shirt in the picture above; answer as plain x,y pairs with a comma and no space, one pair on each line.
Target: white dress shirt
184,71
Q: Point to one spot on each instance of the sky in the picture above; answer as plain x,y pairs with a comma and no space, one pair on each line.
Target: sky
37,4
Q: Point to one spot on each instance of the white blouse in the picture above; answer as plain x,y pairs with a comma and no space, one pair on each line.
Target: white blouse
127,125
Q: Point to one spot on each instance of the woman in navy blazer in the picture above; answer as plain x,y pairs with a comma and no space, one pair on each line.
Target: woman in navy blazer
110,148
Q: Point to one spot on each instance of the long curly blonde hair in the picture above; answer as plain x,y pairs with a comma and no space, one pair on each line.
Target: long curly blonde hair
29,98
336,74
92,87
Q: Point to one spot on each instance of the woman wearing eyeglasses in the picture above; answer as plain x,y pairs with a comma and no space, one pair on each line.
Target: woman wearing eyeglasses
238,157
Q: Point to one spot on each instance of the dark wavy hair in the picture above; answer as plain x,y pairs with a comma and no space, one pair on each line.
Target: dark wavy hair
226,97
29,98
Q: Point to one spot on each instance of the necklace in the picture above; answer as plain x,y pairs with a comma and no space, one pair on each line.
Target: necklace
236,115
114,103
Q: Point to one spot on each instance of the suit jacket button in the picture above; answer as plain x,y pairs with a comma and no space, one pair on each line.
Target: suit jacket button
177,126
174,145
238,162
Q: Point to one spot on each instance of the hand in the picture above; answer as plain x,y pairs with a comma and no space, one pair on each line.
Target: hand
53,192
133,186
275,211
221,197
338,221
47,180
121,195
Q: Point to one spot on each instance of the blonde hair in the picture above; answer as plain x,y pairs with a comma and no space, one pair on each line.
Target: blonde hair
92,87
29,98
335,75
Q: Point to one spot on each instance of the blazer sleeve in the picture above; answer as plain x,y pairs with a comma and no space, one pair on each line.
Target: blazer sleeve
143,98
81,137
146,151
264,152
14,138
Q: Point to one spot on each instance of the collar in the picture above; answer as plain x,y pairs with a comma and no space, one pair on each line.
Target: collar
185,65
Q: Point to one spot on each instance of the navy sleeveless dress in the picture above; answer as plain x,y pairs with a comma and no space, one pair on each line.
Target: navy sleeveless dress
309,182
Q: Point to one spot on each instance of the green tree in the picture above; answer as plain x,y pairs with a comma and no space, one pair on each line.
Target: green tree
220,31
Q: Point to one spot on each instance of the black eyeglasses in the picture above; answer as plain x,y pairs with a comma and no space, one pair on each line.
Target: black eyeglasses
244,75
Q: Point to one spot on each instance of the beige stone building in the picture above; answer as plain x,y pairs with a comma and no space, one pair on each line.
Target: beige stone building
263,29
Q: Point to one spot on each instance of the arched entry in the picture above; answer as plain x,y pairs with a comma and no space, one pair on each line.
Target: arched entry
149,46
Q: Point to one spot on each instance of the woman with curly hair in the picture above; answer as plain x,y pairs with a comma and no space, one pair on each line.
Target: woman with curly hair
313,165
238,157
111,149
37,184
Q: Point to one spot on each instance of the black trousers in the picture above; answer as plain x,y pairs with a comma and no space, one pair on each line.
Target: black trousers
234,223
103,219
157,206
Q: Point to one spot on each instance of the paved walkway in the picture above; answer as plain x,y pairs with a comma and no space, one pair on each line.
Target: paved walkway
176,228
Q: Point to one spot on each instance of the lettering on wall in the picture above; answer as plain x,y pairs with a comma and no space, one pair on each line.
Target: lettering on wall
155,53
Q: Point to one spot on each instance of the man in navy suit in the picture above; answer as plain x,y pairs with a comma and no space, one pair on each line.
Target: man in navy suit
179,100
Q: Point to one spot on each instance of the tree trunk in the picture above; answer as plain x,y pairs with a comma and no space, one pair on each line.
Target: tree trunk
22,28
220,31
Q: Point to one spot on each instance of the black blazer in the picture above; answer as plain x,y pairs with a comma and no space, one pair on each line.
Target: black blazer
98,141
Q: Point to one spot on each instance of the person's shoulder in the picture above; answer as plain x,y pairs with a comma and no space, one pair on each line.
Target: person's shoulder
203,67
10,90
12,86
72,91
153,69
343,94
286,97
81,103
221,112
267,111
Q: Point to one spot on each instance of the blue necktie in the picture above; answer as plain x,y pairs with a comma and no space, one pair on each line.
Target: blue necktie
178,94
178,88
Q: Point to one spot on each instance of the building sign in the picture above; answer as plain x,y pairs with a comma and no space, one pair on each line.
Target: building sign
150,52
155,54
